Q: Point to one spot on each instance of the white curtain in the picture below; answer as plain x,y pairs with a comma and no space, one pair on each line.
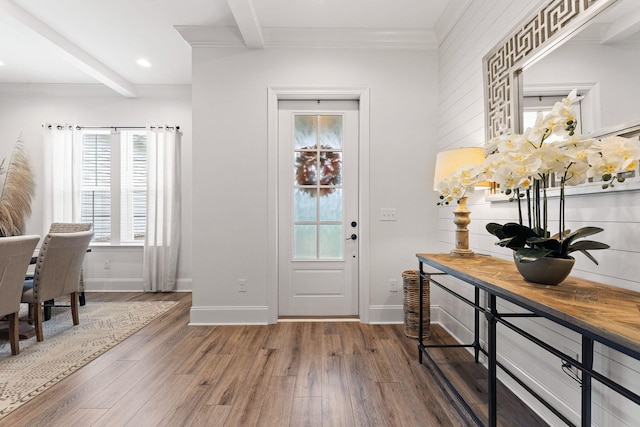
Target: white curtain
162,240
62,159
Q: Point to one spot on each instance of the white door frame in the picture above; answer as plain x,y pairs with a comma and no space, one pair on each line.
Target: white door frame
274,94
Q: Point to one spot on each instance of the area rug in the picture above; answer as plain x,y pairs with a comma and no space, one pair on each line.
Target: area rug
66,348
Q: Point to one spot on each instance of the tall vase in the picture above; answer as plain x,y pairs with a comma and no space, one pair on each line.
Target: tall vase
462,220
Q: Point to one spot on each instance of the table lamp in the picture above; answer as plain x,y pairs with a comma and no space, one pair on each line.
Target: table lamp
447,162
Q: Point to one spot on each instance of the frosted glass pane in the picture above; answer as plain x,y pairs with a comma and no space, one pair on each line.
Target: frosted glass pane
330,168
331,241
331,131
305,204
331,206
305,167
305,131
304,242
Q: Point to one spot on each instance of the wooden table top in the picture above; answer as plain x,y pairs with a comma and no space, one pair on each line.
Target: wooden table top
606,313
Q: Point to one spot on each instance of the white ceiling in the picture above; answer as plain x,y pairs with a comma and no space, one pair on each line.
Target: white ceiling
89,41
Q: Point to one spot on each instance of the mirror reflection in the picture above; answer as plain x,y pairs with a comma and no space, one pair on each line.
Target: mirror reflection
602,61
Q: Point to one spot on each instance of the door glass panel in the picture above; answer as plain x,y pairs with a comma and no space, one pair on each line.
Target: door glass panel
305,166
331,241
305,131
317,189
331,131
305,204
305,238
331,206
330,168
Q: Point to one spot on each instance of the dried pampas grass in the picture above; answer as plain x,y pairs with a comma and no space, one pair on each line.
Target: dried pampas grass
17,190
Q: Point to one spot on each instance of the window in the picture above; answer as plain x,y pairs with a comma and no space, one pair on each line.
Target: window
114,185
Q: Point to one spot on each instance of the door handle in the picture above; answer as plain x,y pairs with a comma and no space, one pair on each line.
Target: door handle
352,237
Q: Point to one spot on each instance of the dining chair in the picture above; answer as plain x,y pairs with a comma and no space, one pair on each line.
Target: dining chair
15,254
70,227
57,273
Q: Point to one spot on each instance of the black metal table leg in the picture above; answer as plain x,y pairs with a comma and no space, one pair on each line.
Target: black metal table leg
476,327
420,311
493,382
587,361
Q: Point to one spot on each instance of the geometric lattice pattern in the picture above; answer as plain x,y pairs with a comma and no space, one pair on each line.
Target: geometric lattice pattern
528,40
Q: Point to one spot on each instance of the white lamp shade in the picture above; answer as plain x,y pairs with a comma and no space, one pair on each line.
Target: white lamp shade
449,161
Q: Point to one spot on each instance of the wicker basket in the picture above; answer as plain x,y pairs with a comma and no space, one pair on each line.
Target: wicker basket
411,285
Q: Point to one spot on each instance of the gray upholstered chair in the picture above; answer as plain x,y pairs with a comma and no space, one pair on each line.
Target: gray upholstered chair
57,274
15,254
70,227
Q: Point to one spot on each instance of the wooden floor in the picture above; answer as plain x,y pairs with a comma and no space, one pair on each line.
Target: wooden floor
289,374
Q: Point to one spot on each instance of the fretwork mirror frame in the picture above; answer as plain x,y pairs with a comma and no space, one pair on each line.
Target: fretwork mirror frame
540,33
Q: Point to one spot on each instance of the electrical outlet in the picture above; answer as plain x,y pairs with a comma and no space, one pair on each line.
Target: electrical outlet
393,285
107,264
242,285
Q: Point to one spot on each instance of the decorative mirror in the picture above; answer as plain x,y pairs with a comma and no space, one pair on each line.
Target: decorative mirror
545,34
562,46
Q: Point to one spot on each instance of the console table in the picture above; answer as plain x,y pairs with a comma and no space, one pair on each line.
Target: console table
597,312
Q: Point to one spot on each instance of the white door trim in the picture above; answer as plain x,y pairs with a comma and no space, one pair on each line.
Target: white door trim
274,94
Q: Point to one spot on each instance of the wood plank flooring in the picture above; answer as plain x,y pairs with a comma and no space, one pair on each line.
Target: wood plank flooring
289,374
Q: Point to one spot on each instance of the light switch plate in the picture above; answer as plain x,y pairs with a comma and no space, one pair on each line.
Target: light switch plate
388,214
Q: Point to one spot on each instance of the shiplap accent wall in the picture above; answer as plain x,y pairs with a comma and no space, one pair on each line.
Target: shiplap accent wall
461,123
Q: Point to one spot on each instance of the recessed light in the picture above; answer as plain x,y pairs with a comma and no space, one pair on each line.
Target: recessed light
2,64
143,62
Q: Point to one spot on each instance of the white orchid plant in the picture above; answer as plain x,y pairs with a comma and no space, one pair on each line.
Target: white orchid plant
523,164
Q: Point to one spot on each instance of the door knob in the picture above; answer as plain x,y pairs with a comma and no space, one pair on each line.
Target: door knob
352,237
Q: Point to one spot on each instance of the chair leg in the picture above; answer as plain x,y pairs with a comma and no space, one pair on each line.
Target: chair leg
14,334
83,300
74,308
37,321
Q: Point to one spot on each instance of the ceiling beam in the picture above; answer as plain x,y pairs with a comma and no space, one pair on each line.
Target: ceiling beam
247,22
72,53
622,28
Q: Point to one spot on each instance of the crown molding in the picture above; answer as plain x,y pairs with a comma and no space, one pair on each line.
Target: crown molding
207,36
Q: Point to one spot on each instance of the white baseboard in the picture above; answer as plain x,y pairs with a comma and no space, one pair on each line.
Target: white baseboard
227,315
127,285
381,314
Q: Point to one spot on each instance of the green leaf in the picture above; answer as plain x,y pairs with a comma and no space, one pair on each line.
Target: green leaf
532,254
587,245
581,232
545,242
496,230
588,255
515,229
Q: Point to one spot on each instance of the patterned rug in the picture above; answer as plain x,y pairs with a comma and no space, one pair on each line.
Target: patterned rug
66,348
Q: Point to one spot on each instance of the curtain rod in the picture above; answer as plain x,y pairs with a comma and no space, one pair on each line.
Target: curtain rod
49,126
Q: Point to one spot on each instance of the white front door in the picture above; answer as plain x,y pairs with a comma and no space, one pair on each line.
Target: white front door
318,208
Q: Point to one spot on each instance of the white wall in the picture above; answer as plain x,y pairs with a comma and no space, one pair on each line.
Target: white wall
230,167
23,110
461,124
